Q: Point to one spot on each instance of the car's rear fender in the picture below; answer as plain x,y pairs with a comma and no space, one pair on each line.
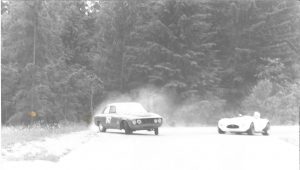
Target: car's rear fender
260,124
97,120
267,127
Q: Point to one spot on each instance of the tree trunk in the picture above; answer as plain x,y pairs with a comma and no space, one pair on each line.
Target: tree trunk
122,66
34,49
91,104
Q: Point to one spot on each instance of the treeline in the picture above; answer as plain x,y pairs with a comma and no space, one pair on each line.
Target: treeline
60,59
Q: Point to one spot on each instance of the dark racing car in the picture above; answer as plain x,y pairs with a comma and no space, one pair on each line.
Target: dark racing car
128,116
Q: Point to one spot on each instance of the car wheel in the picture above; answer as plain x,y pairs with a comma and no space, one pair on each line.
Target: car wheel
266,130
127,128
251,129
101,127
220,131
156,131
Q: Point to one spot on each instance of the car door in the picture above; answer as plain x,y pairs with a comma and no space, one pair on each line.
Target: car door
104,116
115,117
108,116
112,119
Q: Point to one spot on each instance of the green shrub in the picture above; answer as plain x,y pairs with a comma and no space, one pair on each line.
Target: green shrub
14,134
200,111
278,104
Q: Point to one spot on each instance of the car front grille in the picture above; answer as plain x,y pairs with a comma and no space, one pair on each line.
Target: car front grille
145,121
233,126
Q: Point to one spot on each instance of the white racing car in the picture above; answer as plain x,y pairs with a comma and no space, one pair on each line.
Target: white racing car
244,124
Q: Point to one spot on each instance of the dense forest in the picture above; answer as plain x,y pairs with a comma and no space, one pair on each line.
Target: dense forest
192,61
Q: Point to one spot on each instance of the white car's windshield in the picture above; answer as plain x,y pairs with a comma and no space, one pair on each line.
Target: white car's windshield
131,108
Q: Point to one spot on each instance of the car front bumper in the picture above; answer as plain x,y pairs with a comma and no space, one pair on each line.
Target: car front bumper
241,128
144,126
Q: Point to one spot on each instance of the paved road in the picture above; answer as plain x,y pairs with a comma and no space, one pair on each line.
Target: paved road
183,149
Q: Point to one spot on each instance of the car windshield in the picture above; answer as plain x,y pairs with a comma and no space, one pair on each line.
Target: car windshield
131,108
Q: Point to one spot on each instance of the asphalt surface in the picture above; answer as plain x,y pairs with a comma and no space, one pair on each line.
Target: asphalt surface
185,148
197,148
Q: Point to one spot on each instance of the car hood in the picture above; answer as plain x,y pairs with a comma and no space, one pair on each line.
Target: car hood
236,120
144,116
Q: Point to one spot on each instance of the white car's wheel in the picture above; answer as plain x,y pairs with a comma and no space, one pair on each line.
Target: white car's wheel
266,130
250,131
156,131
220,131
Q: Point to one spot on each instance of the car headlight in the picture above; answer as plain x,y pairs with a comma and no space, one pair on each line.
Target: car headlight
134,122
159,120
155,120
139,121
221,123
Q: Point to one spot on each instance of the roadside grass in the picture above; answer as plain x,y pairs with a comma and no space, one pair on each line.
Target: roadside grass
11,135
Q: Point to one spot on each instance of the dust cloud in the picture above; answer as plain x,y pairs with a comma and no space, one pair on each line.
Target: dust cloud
153,99
192,111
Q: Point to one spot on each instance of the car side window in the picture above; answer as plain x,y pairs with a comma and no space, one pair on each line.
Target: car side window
106,110
112,109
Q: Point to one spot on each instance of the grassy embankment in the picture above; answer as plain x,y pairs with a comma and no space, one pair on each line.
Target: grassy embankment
15,134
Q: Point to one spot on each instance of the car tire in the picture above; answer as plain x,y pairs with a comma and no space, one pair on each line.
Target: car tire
101,127
220,131
127,128
250,131
156,132
266,130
